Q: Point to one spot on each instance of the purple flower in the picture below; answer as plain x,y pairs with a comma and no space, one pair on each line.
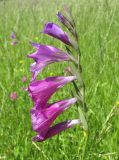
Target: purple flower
45,55
24,79
56,32
56,129
67,21
13,36
43,119
14,40
61,17
64,20
13,96
41,90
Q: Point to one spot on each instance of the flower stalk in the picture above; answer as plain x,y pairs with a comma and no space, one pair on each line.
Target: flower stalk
76,67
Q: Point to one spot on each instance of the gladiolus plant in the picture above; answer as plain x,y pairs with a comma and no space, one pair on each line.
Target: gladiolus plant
44,114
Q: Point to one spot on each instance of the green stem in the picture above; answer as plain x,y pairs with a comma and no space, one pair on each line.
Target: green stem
77,71
85,146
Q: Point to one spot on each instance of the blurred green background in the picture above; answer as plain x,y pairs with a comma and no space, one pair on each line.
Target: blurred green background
98,28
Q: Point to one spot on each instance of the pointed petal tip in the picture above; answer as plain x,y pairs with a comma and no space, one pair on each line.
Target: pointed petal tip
73,100
71,78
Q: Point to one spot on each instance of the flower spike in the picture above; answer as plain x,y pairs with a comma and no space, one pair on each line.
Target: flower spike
44,114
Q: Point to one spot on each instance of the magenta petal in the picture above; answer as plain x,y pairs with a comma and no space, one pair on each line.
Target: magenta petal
45,55
57,129
56,32
41,90
35,68
42,119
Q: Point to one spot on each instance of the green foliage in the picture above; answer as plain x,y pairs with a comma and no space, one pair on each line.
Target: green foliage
98,27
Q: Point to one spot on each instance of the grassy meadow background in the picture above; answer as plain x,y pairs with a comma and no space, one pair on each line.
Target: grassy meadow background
98,27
